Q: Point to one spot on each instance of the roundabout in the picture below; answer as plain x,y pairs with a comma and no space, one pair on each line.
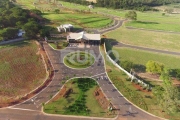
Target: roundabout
79,60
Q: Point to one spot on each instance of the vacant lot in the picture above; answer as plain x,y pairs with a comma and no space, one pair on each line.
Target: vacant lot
21,69
157,40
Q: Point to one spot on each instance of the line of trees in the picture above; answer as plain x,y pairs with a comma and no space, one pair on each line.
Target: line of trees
13,18
141,5
134,4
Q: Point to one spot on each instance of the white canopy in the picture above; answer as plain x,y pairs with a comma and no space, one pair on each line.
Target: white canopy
85,36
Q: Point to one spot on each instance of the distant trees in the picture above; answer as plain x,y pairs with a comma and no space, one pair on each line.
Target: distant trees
13,18
141,5
131,15
154,67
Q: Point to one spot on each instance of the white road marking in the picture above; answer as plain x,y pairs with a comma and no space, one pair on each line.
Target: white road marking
24,109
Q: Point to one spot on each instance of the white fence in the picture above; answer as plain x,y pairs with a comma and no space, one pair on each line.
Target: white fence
133,78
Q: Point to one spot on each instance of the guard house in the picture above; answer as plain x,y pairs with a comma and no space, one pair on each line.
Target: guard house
83,37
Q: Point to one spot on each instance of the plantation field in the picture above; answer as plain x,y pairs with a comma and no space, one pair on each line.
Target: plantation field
144,100
79,102
142,57
156,40
21,69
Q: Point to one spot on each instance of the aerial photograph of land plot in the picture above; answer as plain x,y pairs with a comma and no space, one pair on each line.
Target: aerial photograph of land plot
89,59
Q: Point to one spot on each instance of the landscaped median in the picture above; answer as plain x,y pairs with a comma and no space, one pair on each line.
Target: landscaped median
79,60
80,97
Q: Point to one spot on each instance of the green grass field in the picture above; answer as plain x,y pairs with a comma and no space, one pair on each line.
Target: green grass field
21,69
142,57
82,96
157,40
79,19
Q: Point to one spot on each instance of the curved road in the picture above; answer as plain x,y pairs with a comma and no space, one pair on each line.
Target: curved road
119,44
31,109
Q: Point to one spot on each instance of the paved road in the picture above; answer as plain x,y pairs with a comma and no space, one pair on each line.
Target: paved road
119,44
117,24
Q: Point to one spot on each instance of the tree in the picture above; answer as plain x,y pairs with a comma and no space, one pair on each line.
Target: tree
57,11
31,28
38,12
154,67
170,99
9,33
127,65
131,15
44,33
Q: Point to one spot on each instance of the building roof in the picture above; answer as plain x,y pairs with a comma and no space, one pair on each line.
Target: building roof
85,36
66,26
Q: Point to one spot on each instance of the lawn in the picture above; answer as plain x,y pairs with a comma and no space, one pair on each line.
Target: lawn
79,19
61,45
79,102
21,69
142,57
78,60
144,100
157,40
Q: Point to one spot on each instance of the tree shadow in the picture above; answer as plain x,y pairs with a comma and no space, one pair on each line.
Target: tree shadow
109,47
139,68
146,22
175,73
16,44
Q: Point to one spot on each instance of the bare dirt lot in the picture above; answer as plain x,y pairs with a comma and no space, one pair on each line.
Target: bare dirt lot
21,70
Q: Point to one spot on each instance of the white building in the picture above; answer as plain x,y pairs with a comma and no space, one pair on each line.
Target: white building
65,27
83,37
